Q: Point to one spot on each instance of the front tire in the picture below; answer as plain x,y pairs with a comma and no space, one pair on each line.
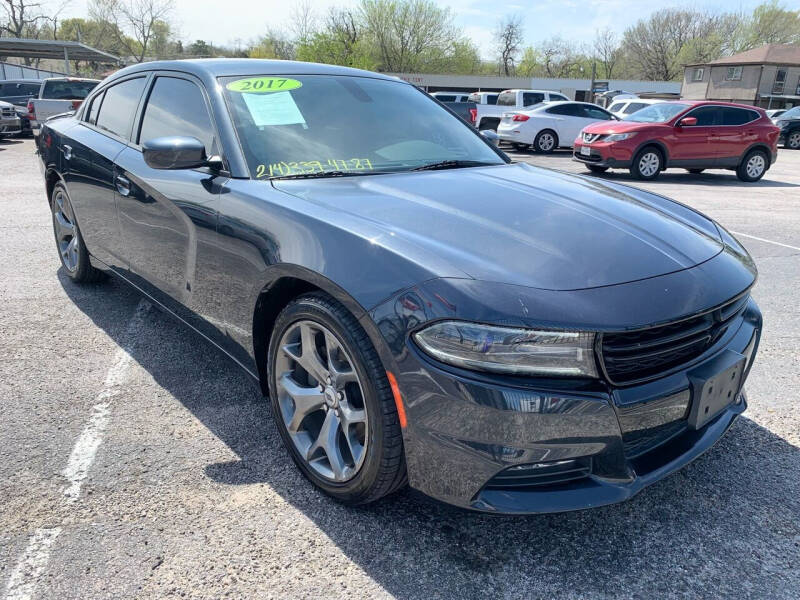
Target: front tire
753,167
332,402
71,249
545,141
647,163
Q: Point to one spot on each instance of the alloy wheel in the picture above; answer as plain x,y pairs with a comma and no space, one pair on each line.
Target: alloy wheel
66,231
755,166
546,142
321,401
649,164
794,140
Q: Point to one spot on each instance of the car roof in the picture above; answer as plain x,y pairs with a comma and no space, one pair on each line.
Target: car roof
220,67
70,79
21,80
694,103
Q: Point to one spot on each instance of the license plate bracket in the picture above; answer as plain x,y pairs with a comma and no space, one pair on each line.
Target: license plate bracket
715,386
586,151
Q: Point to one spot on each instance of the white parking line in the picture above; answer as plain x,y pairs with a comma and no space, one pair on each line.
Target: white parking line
747,235
32,563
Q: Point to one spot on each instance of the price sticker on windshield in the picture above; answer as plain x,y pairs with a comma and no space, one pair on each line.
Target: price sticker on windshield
262,85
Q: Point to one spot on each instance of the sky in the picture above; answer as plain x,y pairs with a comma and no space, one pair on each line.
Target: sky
575,20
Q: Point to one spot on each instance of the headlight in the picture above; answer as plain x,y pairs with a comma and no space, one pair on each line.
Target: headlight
509,350
618,137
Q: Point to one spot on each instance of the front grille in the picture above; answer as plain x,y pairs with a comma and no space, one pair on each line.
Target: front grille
646,353
591,137
540,475
8,113
590,158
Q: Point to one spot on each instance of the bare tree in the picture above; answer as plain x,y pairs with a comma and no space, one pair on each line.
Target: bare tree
660,44
607,50
25,18
508,38
141,19
408,34
303,22
560,58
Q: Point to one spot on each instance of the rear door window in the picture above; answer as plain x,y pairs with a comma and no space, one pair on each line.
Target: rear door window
176,107
446,98
737,116
617,106
119,107
491,98
571,110
94,108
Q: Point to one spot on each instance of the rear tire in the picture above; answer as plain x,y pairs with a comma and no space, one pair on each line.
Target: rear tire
596,169
362,459
69,242
545,141
647,163
793,140
753,167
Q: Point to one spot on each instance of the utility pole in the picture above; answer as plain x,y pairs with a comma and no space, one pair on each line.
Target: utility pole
594,76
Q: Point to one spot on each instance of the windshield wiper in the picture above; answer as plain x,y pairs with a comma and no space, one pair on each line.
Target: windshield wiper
452,164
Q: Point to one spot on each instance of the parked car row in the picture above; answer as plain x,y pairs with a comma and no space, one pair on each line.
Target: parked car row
32,101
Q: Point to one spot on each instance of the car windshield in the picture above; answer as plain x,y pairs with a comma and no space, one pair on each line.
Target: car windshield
67,89
657,113
792,113
320,125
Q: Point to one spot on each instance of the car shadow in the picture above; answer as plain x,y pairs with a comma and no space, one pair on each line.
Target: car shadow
712,177
727,524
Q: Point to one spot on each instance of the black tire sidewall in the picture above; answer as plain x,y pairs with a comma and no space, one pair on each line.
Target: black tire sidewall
636,159
305,308
741,170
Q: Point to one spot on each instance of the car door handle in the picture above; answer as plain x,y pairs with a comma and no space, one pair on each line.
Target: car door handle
67,151
123,185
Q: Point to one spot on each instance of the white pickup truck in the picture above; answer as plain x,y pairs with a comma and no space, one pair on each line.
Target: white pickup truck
58,95
487,116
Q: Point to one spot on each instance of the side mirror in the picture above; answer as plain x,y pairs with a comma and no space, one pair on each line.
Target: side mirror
175,152
687,122
491,136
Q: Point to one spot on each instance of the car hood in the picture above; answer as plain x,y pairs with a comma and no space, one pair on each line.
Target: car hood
521,225
617,127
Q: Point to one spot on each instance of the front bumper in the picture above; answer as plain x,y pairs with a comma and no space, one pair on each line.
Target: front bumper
596,443
10,126
612,156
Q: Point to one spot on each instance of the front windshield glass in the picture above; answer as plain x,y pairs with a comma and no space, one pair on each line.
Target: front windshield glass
657,113
792,113
313,125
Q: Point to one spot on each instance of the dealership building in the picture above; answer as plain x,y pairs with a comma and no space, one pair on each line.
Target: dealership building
577,89
768,77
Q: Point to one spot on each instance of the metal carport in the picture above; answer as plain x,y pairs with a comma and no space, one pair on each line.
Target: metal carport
54,50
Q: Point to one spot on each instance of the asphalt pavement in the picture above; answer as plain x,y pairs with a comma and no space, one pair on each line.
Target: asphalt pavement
139,462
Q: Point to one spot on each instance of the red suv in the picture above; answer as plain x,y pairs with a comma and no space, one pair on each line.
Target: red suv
686,134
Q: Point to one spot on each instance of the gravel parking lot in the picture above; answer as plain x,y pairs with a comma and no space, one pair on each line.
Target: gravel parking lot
191,495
